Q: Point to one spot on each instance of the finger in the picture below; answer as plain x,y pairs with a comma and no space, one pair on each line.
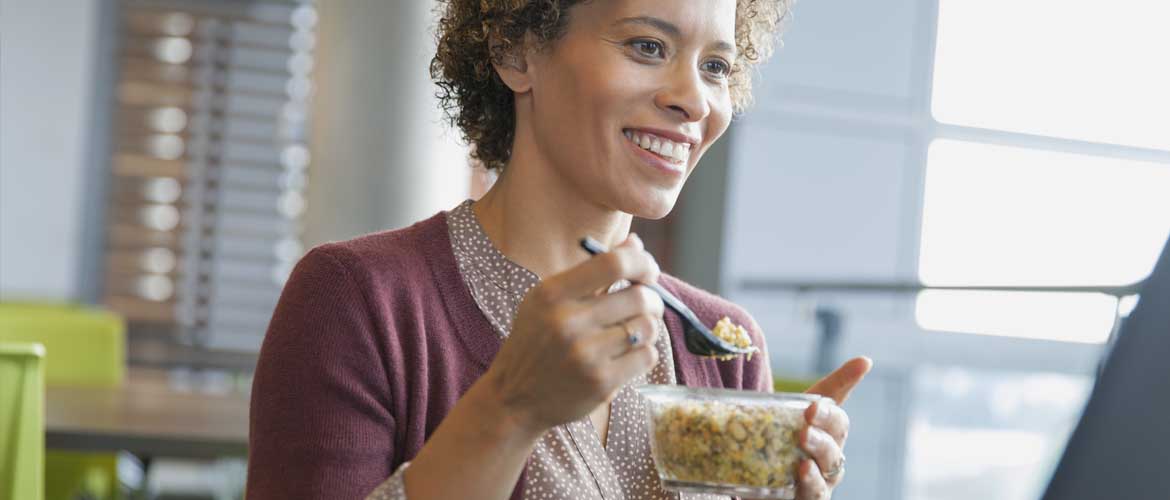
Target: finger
636,361
627,261
614,340
645,327
840,383
830,418
811,485
626,304
823,449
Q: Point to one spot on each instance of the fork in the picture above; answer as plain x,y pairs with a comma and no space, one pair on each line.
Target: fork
699,339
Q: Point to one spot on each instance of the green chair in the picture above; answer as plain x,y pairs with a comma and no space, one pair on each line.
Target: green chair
790,384
83,347
22,421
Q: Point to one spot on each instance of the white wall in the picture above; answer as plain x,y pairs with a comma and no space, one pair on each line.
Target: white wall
382,157
46,68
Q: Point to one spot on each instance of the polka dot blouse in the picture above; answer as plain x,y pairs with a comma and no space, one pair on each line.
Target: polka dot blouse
569,462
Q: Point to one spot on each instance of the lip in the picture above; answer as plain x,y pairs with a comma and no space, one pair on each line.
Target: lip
656,162
673,136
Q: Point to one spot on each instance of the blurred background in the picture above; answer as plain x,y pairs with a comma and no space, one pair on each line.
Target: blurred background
967,192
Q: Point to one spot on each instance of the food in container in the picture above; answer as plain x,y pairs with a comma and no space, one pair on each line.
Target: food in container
723,441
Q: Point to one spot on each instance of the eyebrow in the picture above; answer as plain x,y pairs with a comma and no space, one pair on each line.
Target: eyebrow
670,29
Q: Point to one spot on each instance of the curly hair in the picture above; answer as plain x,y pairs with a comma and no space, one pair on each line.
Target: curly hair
474,34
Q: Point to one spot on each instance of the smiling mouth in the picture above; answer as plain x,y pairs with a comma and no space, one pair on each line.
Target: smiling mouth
678,153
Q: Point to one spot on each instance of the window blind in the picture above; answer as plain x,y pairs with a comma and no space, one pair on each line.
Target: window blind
208,169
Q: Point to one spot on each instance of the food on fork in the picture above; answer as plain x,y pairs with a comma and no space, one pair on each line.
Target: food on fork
733,334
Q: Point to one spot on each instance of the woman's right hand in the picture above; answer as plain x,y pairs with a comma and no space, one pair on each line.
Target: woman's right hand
569,348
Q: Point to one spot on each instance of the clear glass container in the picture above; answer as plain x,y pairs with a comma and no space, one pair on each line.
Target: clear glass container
724,441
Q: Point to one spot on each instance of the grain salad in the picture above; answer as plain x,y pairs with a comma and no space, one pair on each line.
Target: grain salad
733,334
712,440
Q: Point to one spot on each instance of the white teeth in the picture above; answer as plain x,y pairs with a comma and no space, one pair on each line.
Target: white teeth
674,151
667,149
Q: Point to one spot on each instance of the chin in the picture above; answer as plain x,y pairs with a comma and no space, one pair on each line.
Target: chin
653,207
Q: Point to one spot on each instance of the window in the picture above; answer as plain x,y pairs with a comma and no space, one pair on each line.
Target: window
1062,68
1053,79
988,434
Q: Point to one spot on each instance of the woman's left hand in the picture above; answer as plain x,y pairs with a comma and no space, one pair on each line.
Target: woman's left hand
828,427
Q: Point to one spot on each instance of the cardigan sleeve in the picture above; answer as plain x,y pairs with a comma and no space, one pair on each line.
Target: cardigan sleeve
321,422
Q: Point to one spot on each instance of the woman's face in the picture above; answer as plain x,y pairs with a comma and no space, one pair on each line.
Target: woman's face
624,104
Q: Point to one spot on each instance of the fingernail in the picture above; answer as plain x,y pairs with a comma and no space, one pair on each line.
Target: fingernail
822,412
810,442
808,472
637,240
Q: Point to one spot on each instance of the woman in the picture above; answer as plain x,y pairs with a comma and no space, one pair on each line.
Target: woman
481,353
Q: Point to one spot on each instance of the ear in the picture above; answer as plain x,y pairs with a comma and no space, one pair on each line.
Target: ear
513,67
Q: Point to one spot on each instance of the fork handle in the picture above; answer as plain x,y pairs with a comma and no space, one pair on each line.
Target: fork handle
671,301
594,247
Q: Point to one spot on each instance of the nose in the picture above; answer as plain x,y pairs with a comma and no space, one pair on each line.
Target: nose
684,95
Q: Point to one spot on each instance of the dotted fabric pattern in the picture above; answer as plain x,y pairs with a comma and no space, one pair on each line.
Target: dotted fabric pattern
393,488
569,462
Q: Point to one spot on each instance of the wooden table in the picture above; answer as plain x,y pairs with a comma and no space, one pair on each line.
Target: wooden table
148,417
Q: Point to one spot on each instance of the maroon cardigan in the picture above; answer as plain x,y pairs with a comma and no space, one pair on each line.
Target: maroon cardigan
372,343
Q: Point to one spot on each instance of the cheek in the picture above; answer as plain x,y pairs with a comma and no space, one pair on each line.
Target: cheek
720,118
716,126
582,101
586,111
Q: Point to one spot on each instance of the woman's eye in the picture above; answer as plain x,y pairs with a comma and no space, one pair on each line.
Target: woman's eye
648,48
717,67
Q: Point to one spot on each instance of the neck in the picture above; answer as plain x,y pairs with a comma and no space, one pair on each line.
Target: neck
536,218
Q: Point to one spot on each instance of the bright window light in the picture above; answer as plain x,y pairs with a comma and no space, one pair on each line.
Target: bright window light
997,215
1075,69
1006,216
1068,317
